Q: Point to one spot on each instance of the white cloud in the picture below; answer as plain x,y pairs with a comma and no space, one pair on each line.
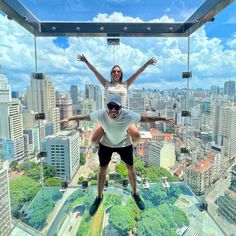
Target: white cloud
232,42
209,60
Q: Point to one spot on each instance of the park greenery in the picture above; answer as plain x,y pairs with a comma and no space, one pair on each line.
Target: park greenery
124,216
168,219
41,206
153,173
23,189
82,159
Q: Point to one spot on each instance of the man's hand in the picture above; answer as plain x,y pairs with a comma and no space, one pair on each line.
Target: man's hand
170,121
64,121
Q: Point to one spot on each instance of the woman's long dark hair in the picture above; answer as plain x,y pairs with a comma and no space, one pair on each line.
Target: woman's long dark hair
121,73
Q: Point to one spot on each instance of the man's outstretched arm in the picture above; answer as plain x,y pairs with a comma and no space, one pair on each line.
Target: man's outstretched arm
150,119
76,117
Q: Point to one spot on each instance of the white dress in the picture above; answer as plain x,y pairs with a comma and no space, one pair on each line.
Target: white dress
120,88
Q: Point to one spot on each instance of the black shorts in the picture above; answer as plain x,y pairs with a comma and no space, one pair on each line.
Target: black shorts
105,153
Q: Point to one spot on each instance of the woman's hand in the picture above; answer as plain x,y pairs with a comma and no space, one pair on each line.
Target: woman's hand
82,58
152,61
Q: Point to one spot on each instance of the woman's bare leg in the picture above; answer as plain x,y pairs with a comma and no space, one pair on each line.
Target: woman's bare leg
134,134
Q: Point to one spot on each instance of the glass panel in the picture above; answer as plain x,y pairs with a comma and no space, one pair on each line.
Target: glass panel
202,145
120,11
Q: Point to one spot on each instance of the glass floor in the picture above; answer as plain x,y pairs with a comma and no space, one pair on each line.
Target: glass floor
169,211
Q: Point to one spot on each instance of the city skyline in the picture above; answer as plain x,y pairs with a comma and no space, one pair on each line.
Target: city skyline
212,48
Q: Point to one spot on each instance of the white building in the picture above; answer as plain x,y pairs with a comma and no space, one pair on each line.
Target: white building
137,102
162,154
41,97
5,208
11,126
5,89
228,131
63,152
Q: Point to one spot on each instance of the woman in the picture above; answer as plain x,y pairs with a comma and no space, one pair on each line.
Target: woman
116,85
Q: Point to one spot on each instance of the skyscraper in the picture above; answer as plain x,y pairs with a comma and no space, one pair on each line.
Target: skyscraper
229,88
74,94
228,131
137,102
66,108
40,97
11,127
63,152
5,89
5,209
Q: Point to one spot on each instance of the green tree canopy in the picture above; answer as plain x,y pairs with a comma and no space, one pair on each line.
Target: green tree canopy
122,170
122,219
49,171
82,159
13,164
22,190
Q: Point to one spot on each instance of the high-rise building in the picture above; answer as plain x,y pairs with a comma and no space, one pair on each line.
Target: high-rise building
5,208
205,109
94,92
216,123
40,97
228,131
88,106
226,204
161,154
63,152
214,91
199,176
229,88
5,89
74,94
98,96
64,103
11,126
137,102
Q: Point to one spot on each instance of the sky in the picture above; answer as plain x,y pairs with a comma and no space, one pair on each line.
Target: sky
212,47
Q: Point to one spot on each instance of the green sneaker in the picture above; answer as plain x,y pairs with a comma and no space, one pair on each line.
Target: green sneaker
140,204
93,209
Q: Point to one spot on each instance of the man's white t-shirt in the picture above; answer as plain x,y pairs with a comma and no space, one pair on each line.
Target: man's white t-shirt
115,130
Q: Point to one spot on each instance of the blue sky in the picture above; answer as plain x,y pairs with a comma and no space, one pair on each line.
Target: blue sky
212,47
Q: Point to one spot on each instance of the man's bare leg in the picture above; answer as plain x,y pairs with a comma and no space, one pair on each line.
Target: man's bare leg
133,182
101,179
132,178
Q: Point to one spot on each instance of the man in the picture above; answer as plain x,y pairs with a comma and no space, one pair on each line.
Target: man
115,122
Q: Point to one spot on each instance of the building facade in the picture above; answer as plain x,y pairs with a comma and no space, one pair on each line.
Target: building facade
63,152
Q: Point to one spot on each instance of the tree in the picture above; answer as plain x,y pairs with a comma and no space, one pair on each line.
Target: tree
49,171
22,189
121,218
13,164
52,182
122,170
34,173
82,159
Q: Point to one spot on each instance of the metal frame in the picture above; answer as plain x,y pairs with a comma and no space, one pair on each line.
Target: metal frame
18,12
